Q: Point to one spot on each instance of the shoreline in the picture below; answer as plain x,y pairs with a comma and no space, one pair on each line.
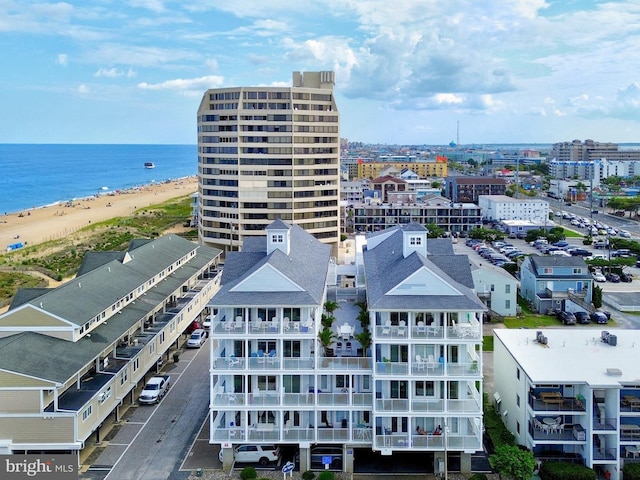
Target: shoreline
55,221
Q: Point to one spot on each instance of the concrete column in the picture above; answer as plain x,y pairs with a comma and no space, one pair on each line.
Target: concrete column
227,459
305,459
465,462
438,463
348,460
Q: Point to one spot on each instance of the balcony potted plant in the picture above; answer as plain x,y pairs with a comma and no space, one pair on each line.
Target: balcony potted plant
326,338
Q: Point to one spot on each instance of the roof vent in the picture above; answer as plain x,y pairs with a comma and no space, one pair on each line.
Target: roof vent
614,372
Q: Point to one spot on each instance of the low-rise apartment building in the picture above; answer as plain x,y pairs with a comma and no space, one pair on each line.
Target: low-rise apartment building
451,217
468,189
71,356
503,207
401,374
571,394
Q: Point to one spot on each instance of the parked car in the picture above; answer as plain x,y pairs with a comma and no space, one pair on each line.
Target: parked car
154,390
626,277
261,454
332,453
612,277
567,318
197,338
599,317
582,317
561,244
598,276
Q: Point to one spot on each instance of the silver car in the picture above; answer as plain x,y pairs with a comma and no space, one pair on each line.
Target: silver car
197,338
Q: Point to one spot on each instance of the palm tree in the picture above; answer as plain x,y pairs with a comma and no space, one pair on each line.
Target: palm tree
331,307
364,338
326,337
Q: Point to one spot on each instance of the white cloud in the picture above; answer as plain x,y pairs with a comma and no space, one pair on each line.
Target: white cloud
82,89
109,73
62,59
211,64
188,86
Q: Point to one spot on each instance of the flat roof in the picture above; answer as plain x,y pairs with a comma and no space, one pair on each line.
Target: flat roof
575,355
508,199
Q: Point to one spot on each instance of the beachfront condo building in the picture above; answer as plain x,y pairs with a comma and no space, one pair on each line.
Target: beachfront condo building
72,357
375,358
266,153
571,394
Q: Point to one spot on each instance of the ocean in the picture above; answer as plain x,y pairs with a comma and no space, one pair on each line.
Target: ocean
35,175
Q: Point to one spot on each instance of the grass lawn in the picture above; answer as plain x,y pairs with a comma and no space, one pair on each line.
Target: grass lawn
529,320
571,234
487,343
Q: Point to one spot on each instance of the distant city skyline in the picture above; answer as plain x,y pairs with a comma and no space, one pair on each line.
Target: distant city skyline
523,71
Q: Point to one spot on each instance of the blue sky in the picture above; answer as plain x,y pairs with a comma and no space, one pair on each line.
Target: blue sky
509,71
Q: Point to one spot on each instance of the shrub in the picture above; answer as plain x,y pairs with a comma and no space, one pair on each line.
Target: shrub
512,461
308,475
565,471
248,473
631,471
326,476
478,476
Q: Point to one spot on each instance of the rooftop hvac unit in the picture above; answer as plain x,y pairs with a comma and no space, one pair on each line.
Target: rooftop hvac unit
608,338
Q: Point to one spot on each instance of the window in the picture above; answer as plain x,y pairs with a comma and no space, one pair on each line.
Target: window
507,304
577,271
416,241
87,413
493,287
267,383
548,270
518,373
136,364
277,238
123,377
425,389
518,400
507,288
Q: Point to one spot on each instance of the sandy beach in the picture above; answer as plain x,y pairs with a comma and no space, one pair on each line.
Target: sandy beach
54,222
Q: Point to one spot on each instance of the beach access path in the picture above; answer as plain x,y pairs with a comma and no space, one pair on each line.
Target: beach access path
42,224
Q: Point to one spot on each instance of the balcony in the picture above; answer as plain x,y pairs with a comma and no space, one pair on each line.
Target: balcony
630,403
227,327
327,399
606,454
562,432
462,331
430,368
555,402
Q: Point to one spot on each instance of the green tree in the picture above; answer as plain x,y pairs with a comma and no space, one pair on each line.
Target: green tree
512,461
436,184
434,231
596,296
364,338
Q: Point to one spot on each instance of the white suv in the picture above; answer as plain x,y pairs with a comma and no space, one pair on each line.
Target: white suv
262,454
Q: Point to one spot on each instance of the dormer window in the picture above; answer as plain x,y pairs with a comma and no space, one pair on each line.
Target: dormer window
415,241
277,238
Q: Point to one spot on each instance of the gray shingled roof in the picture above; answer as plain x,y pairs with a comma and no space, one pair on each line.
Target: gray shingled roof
58,360
306,265
540,262
103,286
385,268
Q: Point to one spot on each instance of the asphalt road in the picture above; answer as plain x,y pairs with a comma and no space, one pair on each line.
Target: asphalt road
154,440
